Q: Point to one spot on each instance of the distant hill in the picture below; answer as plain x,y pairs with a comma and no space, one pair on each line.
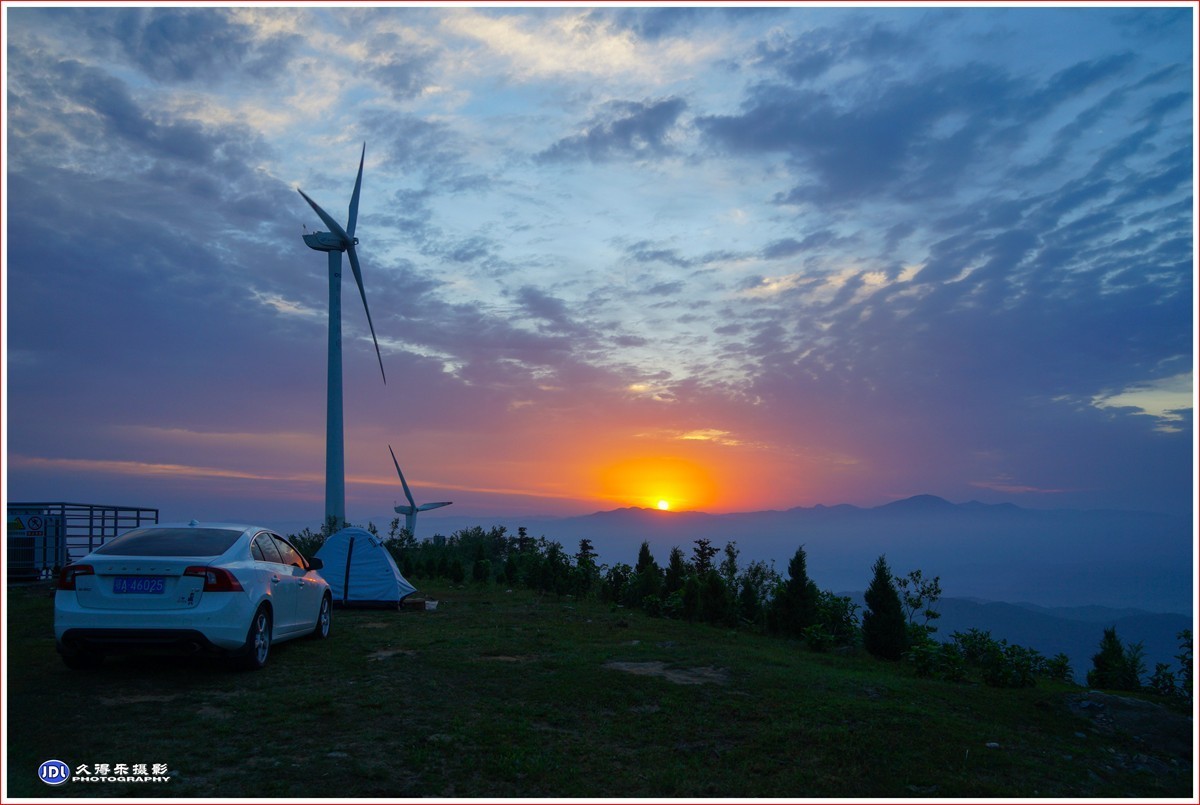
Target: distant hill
1074,631
1002,552
997,552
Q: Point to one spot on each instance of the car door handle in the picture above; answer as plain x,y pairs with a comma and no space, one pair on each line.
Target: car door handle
274,579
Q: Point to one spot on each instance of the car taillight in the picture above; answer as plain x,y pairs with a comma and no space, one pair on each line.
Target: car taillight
216,579
66,576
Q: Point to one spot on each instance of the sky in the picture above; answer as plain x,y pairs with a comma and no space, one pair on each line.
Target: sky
731,259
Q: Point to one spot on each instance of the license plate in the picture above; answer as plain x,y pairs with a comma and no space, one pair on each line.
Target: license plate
140,585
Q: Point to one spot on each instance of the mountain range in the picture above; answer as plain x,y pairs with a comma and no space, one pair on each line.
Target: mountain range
1074,631
996,552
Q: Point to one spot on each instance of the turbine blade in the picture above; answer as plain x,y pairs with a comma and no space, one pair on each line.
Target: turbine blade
407,492
363,293
427,506
405,510
333,225
353,219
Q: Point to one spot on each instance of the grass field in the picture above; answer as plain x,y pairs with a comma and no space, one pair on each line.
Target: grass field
508,694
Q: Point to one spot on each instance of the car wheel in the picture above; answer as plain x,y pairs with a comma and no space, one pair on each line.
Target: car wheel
82,660
324,619
258,641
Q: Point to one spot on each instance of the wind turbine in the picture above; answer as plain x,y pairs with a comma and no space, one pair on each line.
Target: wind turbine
410,511
334,242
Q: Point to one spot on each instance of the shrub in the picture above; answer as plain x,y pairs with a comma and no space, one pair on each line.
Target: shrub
1162,681
1185,663
1011,666
307,543
754,590
652,605
1059,667
481,571
838,615
616,581
817,638
924,658
952,666
672,605
1001,665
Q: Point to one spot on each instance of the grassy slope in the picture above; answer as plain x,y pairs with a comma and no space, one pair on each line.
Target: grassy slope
507,695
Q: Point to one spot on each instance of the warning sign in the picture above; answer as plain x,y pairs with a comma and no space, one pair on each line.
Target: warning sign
35,526
15,524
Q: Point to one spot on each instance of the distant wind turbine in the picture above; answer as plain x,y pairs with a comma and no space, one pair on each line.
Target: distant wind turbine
410,511
336,241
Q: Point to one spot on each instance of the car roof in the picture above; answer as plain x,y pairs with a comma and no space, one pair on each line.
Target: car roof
240,527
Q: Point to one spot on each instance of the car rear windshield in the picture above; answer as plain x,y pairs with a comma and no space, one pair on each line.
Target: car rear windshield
171,542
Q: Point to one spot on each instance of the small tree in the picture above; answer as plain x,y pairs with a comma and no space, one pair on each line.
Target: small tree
614,588
883,623
715,605
703,555
754,590
1185,663
795,607
918,595
1116,666
647,581
586,572
691,598
677,571
729,568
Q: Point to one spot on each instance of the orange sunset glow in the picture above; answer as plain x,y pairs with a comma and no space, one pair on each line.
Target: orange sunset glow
658,482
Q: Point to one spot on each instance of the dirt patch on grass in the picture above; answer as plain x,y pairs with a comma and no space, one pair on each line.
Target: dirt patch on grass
680,676
386,653
141,698
509,658
373,625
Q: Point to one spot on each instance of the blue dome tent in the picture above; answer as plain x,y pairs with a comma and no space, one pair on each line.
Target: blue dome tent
361,571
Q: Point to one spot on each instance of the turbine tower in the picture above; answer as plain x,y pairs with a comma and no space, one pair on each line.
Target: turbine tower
334,242
410,511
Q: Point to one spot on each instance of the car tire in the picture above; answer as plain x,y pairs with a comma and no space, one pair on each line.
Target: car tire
258,641
82,660
324,619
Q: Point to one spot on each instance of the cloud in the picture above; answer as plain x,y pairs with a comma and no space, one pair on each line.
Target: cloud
149,469
570,44
622,130
811,54
1167,400
182,45
890,129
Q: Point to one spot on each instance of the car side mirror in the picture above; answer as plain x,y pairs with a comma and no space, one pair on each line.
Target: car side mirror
315,564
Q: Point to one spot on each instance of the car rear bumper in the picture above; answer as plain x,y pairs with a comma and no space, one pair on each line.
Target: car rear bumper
220,621
121,641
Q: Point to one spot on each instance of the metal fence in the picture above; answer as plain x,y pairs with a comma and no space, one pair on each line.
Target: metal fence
62,533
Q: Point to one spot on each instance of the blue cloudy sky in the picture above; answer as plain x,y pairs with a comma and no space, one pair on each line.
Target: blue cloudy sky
738,258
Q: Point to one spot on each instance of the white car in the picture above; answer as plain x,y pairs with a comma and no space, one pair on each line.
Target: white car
192,588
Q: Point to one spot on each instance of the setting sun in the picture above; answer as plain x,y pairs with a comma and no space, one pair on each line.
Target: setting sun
661,482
